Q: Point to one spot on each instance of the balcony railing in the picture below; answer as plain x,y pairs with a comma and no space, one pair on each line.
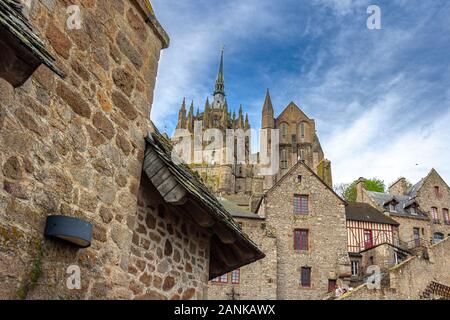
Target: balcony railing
436,221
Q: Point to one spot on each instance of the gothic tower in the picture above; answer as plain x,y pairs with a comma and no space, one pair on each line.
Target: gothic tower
267,113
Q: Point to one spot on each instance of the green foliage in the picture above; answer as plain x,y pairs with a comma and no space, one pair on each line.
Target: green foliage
34,275
374,184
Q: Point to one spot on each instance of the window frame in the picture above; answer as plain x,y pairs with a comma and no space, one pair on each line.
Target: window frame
355,267
220,279
299,243
297,203
236,274
303,282
434,215
446,215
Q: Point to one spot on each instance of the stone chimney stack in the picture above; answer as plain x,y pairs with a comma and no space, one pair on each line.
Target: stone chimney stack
399,187
360,190
324,172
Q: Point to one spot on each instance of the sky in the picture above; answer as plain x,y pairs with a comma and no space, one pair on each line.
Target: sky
380,98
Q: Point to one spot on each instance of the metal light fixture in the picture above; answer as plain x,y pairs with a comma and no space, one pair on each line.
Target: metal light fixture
73,230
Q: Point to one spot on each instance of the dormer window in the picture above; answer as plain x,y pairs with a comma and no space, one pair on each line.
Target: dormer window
392,207
413,210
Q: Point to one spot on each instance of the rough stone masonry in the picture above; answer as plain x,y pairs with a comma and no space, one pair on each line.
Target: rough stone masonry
75,147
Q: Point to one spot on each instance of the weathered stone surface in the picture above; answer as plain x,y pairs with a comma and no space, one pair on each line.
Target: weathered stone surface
168,248
29,122
122,103
121,235
123,80
58,40
123,144
80,70
96,138
151,295
129,50
150,221
103,125
73,99
16,190
169,283
13,169
146,279
99,233
188,294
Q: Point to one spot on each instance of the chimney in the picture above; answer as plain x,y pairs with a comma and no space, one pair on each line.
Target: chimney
360,190
324,172
399,187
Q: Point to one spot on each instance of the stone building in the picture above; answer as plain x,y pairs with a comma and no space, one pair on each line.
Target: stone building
372,240
76,141
300,225
422,210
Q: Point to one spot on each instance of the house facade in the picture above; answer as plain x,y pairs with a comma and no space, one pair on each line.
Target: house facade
420,209
303,220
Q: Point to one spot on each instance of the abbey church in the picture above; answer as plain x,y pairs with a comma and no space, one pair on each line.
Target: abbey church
242,182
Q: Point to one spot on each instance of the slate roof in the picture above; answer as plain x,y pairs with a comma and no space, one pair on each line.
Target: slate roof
364,212
238,211
401,208
12,18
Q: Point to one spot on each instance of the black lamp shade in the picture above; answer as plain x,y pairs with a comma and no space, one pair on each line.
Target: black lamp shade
73,230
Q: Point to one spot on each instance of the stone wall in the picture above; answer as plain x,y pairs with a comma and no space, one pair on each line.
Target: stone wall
327,254
258,281
407,225
169,255
75,146
409,279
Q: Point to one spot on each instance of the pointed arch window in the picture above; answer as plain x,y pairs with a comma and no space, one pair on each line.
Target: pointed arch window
284,130
283,160
302,130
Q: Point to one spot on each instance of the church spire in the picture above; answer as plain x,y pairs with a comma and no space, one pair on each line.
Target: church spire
220,85
219,90
182,115
267,112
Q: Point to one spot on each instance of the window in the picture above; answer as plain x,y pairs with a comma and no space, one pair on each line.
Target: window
301,155
416,237
302,129
294,143
283,161
438,237
392,207
236,276
355,268
301,204
368,239
221,279
301,238
306,277
434,215
446,216
284,130
332,285
437,192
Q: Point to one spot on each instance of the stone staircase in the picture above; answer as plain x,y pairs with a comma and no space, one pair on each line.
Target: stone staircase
436,291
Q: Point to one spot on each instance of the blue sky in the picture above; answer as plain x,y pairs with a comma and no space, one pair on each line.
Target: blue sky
380,98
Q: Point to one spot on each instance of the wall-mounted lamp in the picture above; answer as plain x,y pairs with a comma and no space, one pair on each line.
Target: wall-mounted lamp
73,230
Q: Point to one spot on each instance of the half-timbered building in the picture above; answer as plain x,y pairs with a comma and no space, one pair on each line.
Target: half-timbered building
367,227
